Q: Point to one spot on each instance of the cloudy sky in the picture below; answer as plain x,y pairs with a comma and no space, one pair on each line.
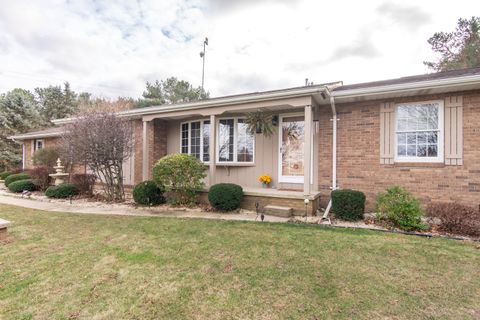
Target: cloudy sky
111,48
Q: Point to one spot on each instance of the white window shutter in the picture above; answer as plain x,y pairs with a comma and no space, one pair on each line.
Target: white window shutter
454,130
387,132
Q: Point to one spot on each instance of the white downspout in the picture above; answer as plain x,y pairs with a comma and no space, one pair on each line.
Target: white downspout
23,155
334,155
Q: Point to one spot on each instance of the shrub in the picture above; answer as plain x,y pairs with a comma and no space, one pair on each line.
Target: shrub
16,177
399,208
84,182
46,157
4,174
456,218
40,176
348,204
181,175
21,185
225,196
148,193
61,191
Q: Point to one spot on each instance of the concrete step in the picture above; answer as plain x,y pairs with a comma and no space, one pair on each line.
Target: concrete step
278,211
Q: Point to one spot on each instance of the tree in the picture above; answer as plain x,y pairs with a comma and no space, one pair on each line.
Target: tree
170,91
18,114
55,102
102,141
87,104
459,49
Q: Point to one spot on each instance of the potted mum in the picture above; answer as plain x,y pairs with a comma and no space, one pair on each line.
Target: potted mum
265,180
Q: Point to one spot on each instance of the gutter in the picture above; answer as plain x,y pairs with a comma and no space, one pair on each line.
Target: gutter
35,136
216,102
403,87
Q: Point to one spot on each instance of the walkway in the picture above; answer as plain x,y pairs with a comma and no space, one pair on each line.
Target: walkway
125,210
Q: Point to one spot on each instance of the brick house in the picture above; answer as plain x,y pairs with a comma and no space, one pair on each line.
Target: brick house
420,132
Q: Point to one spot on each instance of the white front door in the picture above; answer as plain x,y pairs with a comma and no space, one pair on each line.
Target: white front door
291,155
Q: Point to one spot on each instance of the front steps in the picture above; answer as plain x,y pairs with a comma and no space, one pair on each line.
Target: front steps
278,211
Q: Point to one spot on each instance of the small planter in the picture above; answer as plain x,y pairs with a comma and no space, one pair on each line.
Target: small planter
265,185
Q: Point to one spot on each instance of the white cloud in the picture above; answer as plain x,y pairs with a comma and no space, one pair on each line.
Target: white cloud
111,48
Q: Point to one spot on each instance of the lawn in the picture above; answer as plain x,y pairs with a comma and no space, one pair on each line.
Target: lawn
72,266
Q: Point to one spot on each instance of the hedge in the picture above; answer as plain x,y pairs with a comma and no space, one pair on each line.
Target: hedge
22,185
4,175
348,204
148,193
61,191
16,177
225,196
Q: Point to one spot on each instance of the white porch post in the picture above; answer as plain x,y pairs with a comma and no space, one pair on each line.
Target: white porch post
212,156
145,149
307,151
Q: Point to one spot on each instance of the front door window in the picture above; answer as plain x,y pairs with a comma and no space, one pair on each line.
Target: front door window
292,149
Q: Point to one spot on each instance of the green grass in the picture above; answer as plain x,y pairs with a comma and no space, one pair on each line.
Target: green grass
71,266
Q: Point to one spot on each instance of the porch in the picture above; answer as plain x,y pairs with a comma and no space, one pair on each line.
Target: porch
218,137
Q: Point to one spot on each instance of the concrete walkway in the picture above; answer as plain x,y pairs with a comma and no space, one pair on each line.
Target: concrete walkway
125,210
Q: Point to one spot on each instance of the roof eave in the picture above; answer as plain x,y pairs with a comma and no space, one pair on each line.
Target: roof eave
213,103
405,87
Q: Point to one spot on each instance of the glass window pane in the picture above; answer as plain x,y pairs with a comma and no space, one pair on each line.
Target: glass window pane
195,139
422,137
225,140
422,150
432,137
184,138
206,141
432,151
411,150
411,138
402,150
244,142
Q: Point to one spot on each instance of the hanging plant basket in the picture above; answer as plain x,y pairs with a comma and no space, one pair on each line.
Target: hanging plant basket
260,123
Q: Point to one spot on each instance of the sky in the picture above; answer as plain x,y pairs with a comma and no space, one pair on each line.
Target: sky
111,48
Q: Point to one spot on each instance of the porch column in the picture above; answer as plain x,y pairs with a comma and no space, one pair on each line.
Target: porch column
145,150
307,150
212,143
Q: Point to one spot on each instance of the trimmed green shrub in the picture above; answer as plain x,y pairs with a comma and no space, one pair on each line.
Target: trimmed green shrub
348,204
148,193
399,208
5,174
225,196
16,177
64,190
181,175
21,185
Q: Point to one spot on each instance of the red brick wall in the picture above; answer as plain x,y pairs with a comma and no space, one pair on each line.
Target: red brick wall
157,140
358,156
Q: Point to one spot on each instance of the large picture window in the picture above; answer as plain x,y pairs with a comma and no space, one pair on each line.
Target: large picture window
419,132
235,143
195,137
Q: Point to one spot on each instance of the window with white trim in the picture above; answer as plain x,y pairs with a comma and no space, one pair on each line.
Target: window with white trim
38,144
419,132
195,138
235,143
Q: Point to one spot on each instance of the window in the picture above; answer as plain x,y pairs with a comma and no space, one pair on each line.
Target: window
419,132
194,139
235,143
38,144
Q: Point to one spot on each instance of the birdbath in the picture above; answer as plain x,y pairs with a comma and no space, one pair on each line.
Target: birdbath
59,174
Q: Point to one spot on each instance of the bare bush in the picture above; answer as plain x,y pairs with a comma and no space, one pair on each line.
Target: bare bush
456,218
102,141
